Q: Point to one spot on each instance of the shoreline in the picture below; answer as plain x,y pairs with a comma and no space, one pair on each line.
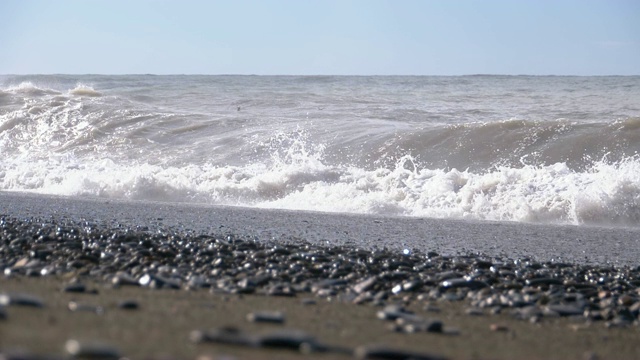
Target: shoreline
589,245
197,278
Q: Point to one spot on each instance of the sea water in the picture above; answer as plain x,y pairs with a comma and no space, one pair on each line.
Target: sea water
543,149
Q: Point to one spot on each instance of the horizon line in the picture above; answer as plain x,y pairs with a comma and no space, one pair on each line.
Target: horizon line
315,75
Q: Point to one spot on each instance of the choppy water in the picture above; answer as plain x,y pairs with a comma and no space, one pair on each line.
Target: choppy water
516,148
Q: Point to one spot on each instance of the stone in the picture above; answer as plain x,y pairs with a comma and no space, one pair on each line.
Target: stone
91,350
388,353
128,305
20,300
274,317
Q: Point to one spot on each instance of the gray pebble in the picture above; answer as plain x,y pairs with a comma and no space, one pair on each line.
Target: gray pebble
275,317
91,350
20,300
223,335
75,306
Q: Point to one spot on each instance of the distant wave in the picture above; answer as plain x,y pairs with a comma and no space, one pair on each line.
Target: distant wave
28,88
84,90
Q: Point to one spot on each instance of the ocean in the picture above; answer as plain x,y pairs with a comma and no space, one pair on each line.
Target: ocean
529,149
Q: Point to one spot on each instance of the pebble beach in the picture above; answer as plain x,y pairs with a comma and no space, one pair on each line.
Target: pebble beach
95,278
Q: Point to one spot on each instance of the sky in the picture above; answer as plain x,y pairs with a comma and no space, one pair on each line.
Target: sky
320,37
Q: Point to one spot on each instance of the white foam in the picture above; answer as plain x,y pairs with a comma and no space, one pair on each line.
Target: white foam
606,194
30,89
84,90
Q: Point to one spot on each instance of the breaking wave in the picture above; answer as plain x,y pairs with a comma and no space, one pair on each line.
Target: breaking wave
77,142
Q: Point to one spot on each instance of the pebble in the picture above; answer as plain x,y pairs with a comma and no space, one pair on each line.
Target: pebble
3,313
499,327
274,317
128,305
387,353
20,300
222,335
75,288
75,306
91,350
290,339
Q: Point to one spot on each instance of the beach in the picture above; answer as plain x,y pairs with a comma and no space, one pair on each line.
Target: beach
182,281
389,217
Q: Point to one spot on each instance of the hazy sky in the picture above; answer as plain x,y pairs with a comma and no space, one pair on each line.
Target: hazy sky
422,37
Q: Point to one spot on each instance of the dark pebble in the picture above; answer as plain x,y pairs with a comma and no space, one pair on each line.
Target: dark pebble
75,288
543,281
289,339
129,305
386,353
20,300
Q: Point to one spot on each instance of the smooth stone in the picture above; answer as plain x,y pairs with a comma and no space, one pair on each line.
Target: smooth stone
565,310
91,350
129,305
158,282
423,325
121,279
308,301
290,339
543,281
463,283
387,353
75,288
327,284
75,306
474,312
223,335
275,317
499,327
21,300
392,312
27,356
365,285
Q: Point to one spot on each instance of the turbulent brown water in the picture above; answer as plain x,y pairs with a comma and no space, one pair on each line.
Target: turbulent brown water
561,150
